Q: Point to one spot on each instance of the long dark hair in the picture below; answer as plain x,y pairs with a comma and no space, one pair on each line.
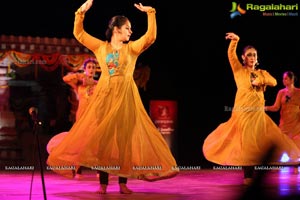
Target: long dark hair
291,76
116,21
250,47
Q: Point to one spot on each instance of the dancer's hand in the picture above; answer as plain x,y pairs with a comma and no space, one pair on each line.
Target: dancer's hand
256,82
142,8
86,6
231,36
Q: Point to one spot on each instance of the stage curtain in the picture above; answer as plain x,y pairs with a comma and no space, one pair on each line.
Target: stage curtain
48,62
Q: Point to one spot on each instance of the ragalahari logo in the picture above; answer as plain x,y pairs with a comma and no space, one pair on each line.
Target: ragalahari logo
236,10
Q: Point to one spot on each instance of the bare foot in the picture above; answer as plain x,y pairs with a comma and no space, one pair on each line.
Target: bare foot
296,170
102,189
248,181
78,176
124,189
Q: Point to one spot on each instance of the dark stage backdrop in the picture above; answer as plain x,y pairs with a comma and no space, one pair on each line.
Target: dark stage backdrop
189,59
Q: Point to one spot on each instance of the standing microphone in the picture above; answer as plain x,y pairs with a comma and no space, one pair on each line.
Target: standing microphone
33,113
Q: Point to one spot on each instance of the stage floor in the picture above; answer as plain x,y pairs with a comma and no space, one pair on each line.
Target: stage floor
205,184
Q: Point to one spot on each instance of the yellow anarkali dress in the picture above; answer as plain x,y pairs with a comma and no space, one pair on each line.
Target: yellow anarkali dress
248,135
115,134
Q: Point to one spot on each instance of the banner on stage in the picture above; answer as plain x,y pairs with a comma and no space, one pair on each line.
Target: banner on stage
164,115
